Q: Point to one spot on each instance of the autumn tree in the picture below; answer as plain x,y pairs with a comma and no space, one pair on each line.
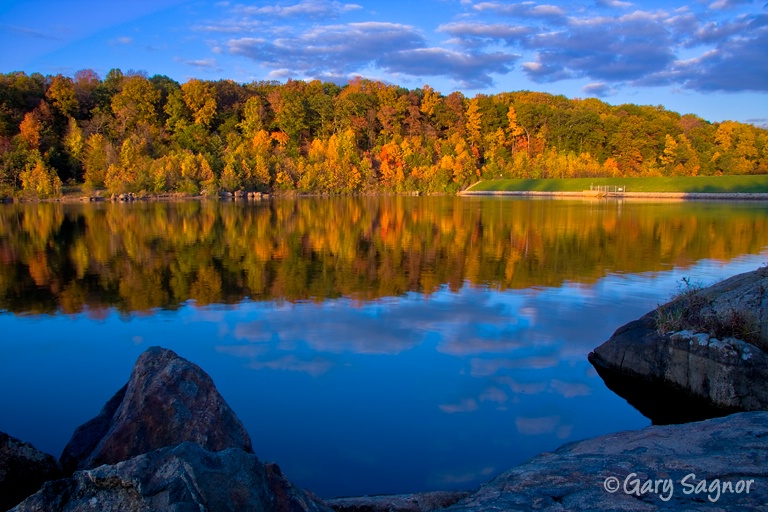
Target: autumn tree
254,117
98,156
135,103
290,111
679,158
61,94
40,180
30,130
177,112
474,122
199,97
74,143
318,136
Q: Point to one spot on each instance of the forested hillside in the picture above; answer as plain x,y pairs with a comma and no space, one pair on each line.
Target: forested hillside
133,133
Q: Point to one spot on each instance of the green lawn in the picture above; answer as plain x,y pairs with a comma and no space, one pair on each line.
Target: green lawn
742,184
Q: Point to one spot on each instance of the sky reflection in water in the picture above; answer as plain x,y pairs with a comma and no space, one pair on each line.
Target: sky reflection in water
397,394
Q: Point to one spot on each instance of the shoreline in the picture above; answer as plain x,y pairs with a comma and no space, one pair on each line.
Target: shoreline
663,196
674,196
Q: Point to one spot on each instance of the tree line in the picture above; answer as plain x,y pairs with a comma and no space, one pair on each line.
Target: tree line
132,133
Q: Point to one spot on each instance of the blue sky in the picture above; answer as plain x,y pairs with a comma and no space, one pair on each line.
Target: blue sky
704,57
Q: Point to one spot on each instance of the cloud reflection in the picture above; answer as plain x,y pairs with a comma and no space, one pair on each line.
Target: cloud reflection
314,367
536,426
466,405
521,352
543,426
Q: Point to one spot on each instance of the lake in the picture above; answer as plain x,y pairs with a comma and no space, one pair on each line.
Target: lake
369,344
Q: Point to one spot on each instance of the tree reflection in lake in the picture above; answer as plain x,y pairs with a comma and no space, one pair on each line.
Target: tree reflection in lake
370,345
140,257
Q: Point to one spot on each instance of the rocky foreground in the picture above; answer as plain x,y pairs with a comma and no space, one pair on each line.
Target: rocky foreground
168,441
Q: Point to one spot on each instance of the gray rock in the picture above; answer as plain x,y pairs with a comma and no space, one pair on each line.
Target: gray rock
730,453
699,358
181,479
419,502
167,401
23,469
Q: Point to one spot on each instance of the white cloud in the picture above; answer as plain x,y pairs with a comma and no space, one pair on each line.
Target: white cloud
123,40
304,8
203,64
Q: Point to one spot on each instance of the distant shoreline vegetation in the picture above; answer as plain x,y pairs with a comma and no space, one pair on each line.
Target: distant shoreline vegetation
662,185
152,135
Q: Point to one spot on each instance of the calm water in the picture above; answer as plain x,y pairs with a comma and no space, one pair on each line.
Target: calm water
370,345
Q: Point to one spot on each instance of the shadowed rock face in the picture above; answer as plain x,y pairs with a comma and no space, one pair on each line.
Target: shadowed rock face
167,401
23,469
182,478
728,373
730,449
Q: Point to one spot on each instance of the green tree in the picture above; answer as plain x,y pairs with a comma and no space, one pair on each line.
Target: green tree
178,114
254,117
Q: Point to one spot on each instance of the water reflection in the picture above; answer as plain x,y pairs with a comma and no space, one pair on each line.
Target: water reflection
660,403
141,257
370,345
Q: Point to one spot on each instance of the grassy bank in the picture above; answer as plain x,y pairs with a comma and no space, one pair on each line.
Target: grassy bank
697,184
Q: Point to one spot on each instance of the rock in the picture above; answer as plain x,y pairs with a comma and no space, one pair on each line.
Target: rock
186,477
730,454
167,441
699,357
419,502
167,401
660,402
23,469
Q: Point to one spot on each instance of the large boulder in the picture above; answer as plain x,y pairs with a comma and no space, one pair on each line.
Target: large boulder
167,401
718,464
709,343
23,469
183,478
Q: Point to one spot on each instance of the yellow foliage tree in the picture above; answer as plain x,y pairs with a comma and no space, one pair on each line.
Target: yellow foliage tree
61,93
40,180
200,99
